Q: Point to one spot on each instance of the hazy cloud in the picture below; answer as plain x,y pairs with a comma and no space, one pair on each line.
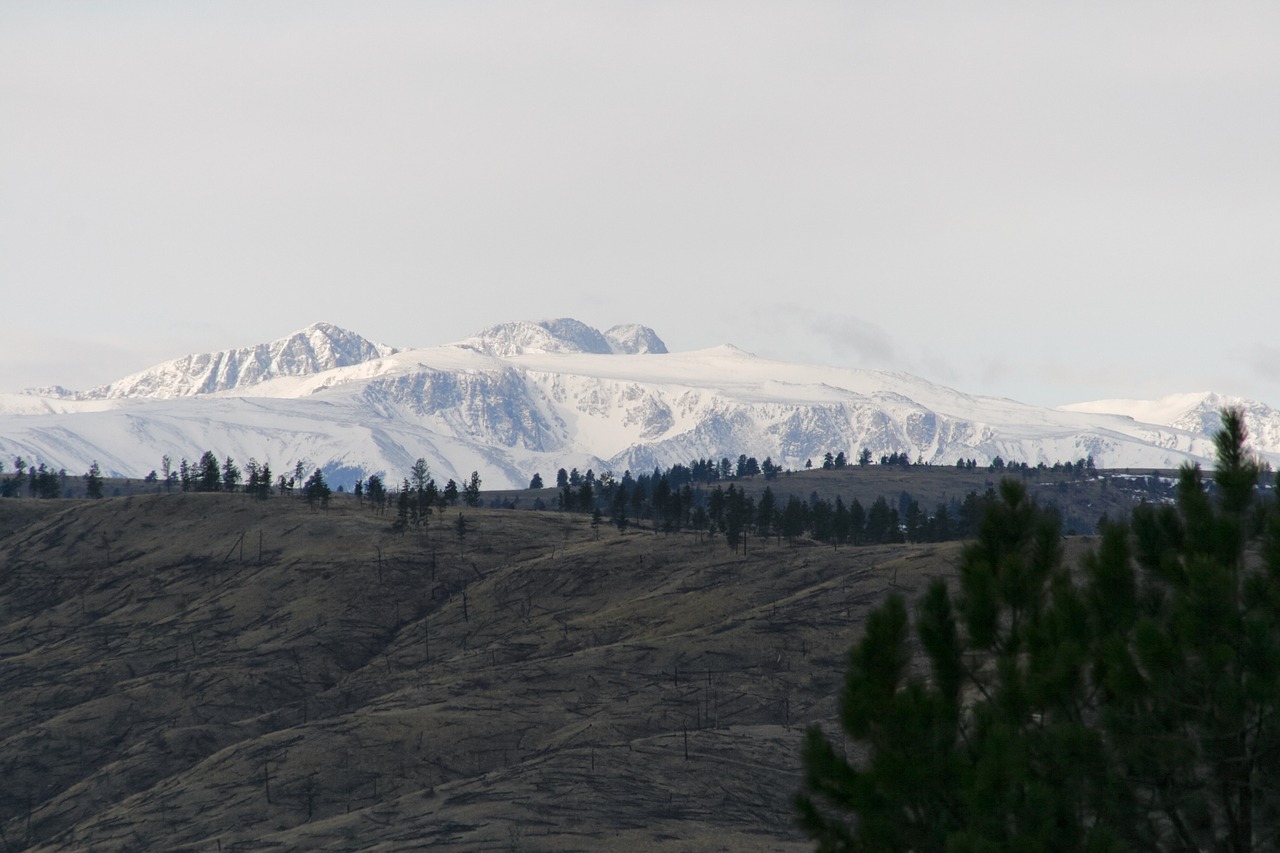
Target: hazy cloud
929,187
866,342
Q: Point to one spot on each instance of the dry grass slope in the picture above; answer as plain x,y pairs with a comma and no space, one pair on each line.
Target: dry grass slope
206,672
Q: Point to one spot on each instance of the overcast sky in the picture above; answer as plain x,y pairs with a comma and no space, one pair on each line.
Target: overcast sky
1053,202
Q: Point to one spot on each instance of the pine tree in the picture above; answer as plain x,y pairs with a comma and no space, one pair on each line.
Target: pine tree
316,490
377,493
471,491
765,511
230,475
424,491
93,481
1130,704
208,475
620,499
403,505
460,530
264,481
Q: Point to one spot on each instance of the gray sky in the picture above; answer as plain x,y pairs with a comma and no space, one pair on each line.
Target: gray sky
1048,201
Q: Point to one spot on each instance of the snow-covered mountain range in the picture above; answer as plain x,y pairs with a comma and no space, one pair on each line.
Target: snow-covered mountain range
526,397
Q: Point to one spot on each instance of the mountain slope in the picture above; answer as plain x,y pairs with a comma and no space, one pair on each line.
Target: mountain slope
315,349
1194,412
521,398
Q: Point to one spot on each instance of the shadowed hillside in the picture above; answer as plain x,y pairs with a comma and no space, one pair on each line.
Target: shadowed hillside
204,672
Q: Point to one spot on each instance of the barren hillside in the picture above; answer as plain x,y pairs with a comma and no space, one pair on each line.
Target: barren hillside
209,672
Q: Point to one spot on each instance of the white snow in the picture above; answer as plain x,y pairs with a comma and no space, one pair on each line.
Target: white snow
526,397
1165,410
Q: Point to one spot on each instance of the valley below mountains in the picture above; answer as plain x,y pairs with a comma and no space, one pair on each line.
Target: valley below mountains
532,397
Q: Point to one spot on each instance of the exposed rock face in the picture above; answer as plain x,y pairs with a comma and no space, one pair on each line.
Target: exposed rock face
526,397
563,335
634,338
315,349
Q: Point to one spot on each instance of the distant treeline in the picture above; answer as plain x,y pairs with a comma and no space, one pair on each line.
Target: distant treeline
679,499
705,496
37,480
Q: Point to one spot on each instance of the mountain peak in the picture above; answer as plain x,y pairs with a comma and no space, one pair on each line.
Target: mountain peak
318,347
563,335
633,338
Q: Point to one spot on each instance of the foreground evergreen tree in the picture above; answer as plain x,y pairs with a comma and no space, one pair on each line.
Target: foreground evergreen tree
1130,705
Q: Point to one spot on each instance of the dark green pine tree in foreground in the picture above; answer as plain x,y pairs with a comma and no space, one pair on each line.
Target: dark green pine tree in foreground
1128,704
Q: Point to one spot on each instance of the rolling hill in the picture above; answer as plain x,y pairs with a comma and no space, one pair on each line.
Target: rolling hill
197,672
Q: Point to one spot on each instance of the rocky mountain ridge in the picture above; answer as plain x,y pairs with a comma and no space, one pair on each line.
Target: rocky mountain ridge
315,349
520,398
564,335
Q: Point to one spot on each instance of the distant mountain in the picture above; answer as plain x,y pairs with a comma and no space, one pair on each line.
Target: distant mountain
1195,413
634,338
525,397
564,335
312,350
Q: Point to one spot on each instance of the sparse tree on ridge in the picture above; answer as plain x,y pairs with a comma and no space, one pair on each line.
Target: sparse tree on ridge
377,493
404,504
230,475
419,474
460,530
316,490
424,491
258,483
471,491
208,473
93,481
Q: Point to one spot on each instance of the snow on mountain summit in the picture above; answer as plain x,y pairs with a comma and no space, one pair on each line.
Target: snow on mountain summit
633,338
563,335
318,347
525,397
1196,412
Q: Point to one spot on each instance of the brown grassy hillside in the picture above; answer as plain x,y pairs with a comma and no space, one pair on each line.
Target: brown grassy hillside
207,672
